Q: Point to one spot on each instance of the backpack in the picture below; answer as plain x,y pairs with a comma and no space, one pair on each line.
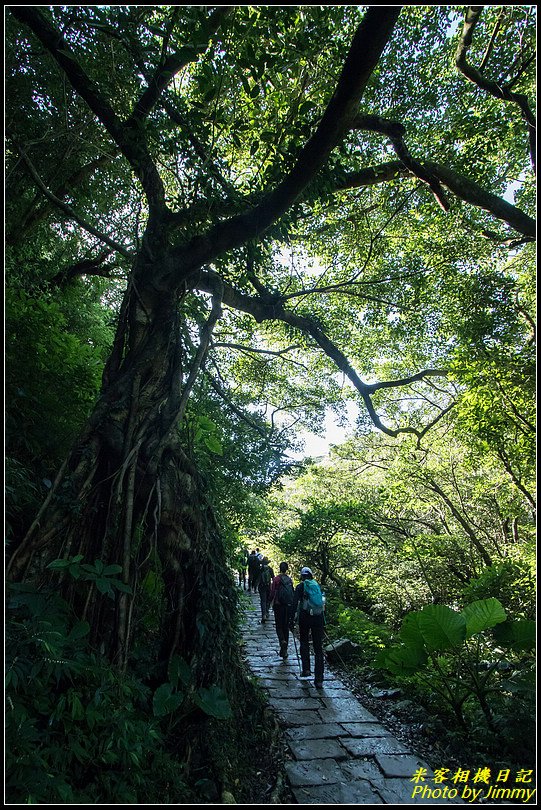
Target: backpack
284,591
265,577
312,598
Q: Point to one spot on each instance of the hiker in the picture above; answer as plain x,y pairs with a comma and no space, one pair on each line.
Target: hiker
308,607
281,596
253,571
242,567
266,575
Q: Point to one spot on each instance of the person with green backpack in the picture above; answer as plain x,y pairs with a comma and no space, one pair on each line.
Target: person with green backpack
308,608
266,575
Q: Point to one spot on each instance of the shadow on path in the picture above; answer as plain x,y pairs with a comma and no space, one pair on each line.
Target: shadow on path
340,753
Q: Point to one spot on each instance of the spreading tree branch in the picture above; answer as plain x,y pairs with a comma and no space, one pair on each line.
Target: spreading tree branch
499,91
465,189
128,136
369,41
86,267
169,66
272,309
395,131
35,214
242,415
68,210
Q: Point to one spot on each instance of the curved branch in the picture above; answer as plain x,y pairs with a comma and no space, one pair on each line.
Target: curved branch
171,65
129,138
471,192
467,190
34,214
262,310
251,350
86,267
202,349
236,410
421,375
68,210
395,132
501,92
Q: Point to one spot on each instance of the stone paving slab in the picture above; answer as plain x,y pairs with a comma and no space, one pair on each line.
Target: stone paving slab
342,705
393,765
329,691
288,691
340,753
366,730
399,791
371,746
284,705
358,715
318,731
318,749
315,772
340,793
357,769
300,718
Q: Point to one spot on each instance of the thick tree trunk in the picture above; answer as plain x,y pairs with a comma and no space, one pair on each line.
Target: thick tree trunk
129,495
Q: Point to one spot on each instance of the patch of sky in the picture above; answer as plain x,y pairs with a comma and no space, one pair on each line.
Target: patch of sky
335,430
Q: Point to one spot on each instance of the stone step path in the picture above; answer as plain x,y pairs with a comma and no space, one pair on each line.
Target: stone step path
340,753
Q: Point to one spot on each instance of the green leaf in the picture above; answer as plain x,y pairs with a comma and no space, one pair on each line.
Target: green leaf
103,585
482,615
410,632
79,630
120,586
77,710
179,670
522,683
402,660
112,569
214,445
99,566
214,702
151,583
58,565
165,700
520,635
441,627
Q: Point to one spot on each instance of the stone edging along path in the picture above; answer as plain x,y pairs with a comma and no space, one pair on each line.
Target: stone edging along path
340,753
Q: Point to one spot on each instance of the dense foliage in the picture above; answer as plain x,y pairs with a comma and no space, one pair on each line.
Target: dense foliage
222,222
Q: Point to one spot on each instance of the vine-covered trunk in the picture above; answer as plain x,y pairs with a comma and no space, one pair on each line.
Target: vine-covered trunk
130,496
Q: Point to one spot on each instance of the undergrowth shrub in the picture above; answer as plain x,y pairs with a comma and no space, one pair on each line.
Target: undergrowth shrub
354,624
77,730
80,731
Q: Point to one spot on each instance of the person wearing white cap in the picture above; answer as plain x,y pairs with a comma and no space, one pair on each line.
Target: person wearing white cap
308,607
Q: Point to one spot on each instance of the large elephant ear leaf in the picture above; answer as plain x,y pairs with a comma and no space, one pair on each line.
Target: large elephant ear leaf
410,632
441,627
482,615
402,660
519,635
214,702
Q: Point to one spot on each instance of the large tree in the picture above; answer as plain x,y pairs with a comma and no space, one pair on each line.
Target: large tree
213,153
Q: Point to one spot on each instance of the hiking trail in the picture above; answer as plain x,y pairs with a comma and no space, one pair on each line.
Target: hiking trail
340,753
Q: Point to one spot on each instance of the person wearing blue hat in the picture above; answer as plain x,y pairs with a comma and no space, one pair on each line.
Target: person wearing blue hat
308,608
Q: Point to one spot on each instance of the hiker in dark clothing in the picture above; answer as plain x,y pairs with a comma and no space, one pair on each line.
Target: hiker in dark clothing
281,597
266,575
242,567
254,565
311,622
